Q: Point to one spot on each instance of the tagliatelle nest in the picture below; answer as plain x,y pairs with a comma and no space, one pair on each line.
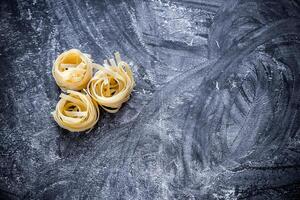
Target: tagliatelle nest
110,87
72,70
76,111
112,84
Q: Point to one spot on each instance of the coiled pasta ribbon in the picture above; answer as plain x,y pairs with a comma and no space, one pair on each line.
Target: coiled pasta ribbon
76,111
72,70
112,84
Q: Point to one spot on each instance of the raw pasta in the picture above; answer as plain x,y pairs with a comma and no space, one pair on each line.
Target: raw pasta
112,84
72,70
76,111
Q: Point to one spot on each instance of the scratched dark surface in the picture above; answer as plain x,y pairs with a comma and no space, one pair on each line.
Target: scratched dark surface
214,114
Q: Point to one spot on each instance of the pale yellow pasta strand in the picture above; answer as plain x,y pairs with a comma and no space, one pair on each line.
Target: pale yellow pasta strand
112,84
72,70
76,111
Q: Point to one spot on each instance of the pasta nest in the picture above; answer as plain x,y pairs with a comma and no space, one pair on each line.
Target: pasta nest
72,70
76,111
112,84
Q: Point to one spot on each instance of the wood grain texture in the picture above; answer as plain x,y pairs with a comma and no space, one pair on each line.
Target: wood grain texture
214,114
